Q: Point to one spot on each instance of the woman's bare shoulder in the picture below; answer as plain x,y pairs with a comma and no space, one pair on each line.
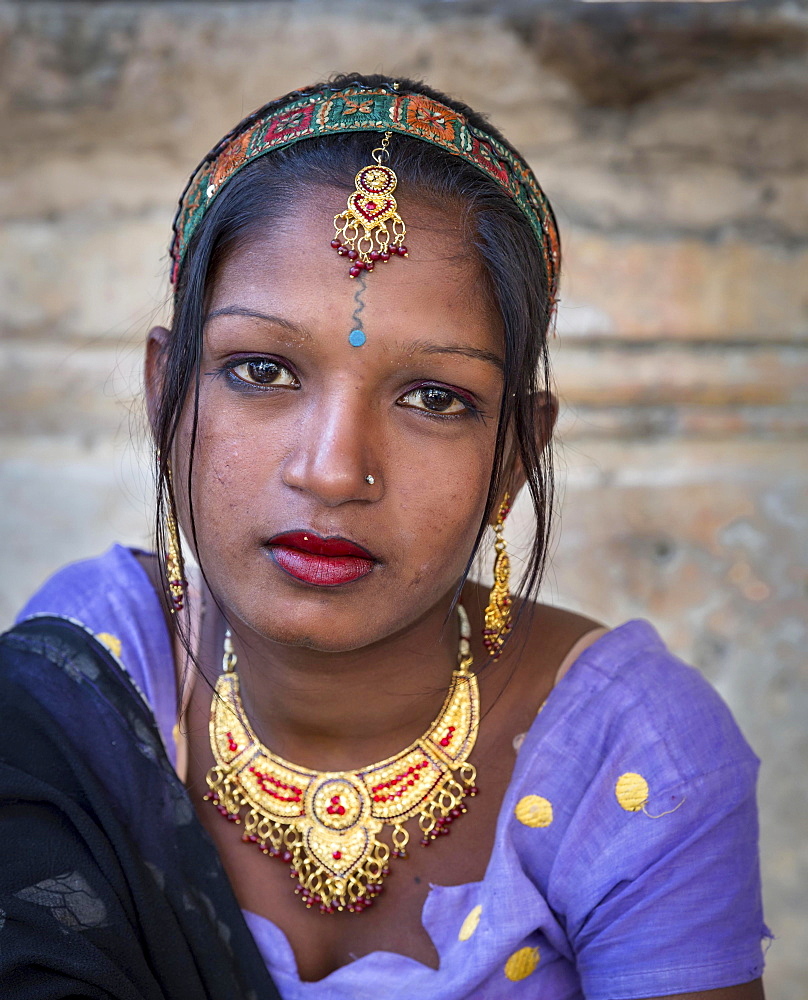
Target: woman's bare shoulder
543,633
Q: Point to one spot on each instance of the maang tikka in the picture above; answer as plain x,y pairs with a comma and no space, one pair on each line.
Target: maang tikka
498,612
361,232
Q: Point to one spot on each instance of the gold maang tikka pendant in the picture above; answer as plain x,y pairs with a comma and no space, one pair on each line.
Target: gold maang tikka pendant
370,230
326,825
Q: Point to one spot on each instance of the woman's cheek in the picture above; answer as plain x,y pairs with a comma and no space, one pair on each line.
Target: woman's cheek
440,525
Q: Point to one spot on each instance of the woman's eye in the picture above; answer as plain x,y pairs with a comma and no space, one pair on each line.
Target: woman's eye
434,400
264,371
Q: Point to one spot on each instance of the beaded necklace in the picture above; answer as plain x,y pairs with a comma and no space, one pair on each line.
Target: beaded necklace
326,825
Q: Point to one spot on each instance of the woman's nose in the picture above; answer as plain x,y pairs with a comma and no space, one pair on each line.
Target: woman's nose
333,457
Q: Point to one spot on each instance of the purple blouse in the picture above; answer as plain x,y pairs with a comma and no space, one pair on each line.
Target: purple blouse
625,861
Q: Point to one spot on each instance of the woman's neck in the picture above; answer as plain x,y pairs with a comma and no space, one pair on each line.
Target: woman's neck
338,711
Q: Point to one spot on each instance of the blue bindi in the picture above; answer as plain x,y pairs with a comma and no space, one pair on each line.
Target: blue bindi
356,338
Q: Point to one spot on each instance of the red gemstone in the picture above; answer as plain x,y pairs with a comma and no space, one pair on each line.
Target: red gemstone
342,251
336,244
335,799
352,255
340,810
385,256
286,856
374,255
372,206
337,855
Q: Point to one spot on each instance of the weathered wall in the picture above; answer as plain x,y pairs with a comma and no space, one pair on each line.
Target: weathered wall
670,137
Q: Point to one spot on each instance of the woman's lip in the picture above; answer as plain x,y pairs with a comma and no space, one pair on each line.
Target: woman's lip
319,561
313,544
319,570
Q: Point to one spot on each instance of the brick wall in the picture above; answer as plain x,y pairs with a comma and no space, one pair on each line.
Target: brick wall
671,140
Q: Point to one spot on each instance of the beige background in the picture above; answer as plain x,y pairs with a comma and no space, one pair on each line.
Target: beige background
672,139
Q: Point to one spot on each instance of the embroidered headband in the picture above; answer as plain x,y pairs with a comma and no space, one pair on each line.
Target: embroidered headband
359,108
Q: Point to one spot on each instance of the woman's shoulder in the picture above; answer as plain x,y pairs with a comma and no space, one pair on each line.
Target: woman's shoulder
114,581
634,718
632,807
113,596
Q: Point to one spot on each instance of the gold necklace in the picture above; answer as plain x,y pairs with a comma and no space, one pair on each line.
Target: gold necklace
325,824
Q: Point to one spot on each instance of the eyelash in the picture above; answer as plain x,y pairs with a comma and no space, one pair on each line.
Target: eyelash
470,409
242,385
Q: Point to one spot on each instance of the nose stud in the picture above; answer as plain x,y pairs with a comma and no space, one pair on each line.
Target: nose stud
369,480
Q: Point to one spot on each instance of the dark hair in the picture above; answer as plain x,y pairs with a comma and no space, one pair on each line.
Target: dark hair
496,228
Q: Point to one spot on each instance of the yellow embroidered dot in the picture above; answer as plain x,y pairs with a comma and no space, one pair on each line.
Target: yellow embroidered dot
631,791
470,924
112,642
533,810
521,964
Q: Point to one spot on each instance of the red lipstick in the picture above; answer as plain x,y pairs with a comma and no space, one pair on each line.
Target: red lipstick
321,562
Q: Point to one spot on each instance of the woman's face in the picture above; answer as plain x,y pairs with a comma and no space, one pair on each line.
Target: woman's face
293,418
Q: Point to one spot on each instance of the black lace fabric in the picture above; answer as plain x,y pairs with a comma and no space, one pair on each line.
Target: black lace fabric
109,887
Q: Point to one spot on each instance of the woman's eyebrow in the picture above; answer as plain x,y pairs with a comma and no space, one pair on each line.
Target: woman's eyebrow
255,314
465,350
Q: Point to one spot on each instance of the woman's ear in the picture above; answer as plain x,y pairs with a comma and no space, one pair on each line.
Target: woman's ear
153,371
546,417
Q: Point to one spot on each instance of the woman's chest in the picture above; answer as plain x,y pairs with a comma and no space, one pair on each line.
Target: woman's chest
268,885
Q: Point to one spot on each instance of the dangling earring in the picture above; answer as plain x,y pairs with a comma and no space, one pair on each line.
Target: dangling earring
174,569
175,573
498,613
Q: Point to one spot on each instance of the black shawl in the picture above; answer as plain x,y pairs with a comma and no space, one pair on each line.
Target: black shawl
109,886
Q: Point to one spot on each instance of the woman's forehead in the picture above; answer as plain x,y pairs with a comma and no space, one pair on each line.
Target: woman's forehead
287,270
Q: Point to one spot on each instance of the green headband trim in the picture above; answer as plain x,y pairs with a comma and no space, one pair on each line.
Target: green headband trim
363,109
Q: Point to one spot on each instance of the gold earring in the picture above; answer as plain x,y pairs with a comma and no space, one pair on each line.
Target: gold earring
174,568
175,571
498,613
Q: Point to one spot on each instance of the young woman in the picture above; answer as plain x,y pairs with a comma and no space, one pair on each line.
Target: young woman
241,783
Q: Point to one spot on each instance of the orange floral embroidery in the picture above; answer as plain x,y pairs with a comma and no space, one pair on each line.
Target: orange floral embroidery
354,107
426,116
231,157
